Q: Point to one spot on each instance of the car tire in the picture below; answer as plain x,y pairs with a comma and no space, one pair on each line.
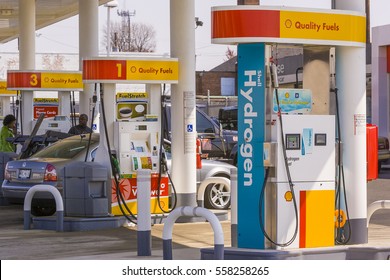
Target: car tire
39,211
217,196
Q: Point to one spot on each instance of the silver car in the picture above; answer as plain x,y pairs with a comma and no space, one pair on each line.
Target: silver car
44,166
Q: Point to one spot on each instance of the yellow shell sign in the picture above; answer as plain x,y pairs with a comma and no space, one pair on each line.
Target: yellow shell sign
44,80
286,25
320,26
4,91
139,70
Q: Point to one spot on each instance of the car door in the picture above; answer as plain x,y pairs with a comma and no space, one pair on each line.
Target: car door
209,133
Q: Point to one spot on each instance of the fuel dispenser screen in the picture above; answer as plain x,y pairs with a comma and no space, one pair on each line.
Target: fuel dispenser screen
142,127
293,141
320,139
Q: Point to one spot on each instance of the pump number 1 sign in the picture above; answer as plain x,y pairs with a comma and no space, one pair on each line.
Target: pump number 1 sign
113,70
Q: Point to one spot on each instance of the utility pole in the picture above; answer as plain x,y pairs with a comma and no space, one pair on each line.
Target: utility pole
109,5
128,15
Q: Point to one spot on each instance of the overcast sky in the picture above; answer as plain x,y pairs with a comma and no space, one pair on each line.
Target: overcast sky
63,36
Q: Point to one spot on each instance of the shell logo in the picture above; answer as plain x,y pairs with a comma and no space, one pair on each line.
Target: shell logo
288,196
288,23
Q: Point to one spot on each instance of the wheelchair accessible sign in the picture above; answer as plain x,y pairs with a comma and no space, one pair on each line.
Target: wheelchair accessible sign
190,128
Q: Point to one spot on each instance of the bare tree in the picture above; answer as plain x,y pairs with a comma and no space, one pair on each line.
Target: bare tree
13,63
142,37
229,53
53,62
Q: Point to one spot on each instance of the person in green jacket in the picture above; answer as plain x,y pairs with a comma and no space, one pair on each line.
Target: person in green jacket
8,130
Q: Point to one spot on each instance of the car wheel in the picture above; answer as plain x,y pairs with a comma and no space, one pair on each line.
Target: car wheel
38,210
217,196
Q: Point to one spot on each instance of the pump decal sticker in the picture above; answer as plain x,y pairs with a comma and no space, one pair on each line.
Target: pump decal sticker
307,141
359,121
316,218
47,106
128,188
297,101
302,219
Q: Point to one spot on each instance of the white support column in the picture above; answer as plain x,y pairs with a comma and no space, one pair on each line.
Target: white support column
183,101
154,98
351,83
380,83
88,45
27,57
5,103
64,103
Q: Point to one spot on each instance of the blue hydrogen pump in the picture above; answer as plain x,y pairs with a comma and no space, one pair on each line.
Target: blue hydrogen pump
295,181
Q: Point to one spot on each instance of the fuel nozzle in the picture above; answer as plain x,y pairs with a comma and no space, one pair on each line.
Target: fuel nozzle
164,162
332,65
274,75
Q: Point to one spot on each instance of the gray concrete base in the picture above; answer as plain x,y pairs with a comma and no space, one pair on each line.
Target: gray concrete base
359,231
4,201
233,234
369,253
95,223
329,253
144,243
77,223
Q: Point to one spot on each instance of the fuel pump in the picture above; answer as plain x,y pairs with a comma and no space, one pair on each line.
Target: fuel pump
307,126
300,193
133,124
138,142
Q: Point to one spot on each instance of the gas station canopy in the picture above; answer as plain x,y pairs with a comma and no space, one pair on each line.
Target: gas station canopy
48,12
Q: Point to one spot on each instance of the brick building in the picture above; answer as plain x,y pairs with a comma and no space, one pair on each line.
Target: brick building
219,81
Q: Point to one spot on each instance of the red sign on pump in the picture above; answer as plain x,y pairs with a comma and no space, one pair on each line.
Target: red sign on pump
388,59
49,111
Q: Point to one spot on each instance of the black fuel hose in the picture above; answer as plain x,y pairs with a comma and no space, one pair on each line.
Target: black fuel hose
290,183
162,162
340,186
132,218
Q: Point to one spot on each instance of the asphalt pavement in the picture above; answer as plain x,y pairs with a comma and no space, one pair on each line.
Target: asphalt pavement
121,243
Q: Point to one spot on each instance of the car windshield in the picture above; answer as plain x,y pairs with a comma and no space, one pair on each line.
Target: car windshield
67,148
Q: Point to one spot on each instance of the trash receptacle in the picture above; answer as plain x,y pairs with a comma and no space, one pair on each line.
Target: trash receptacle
86,186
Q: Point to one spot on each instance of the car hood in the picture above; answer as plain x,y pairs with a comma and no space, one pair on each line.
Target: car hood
217,163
